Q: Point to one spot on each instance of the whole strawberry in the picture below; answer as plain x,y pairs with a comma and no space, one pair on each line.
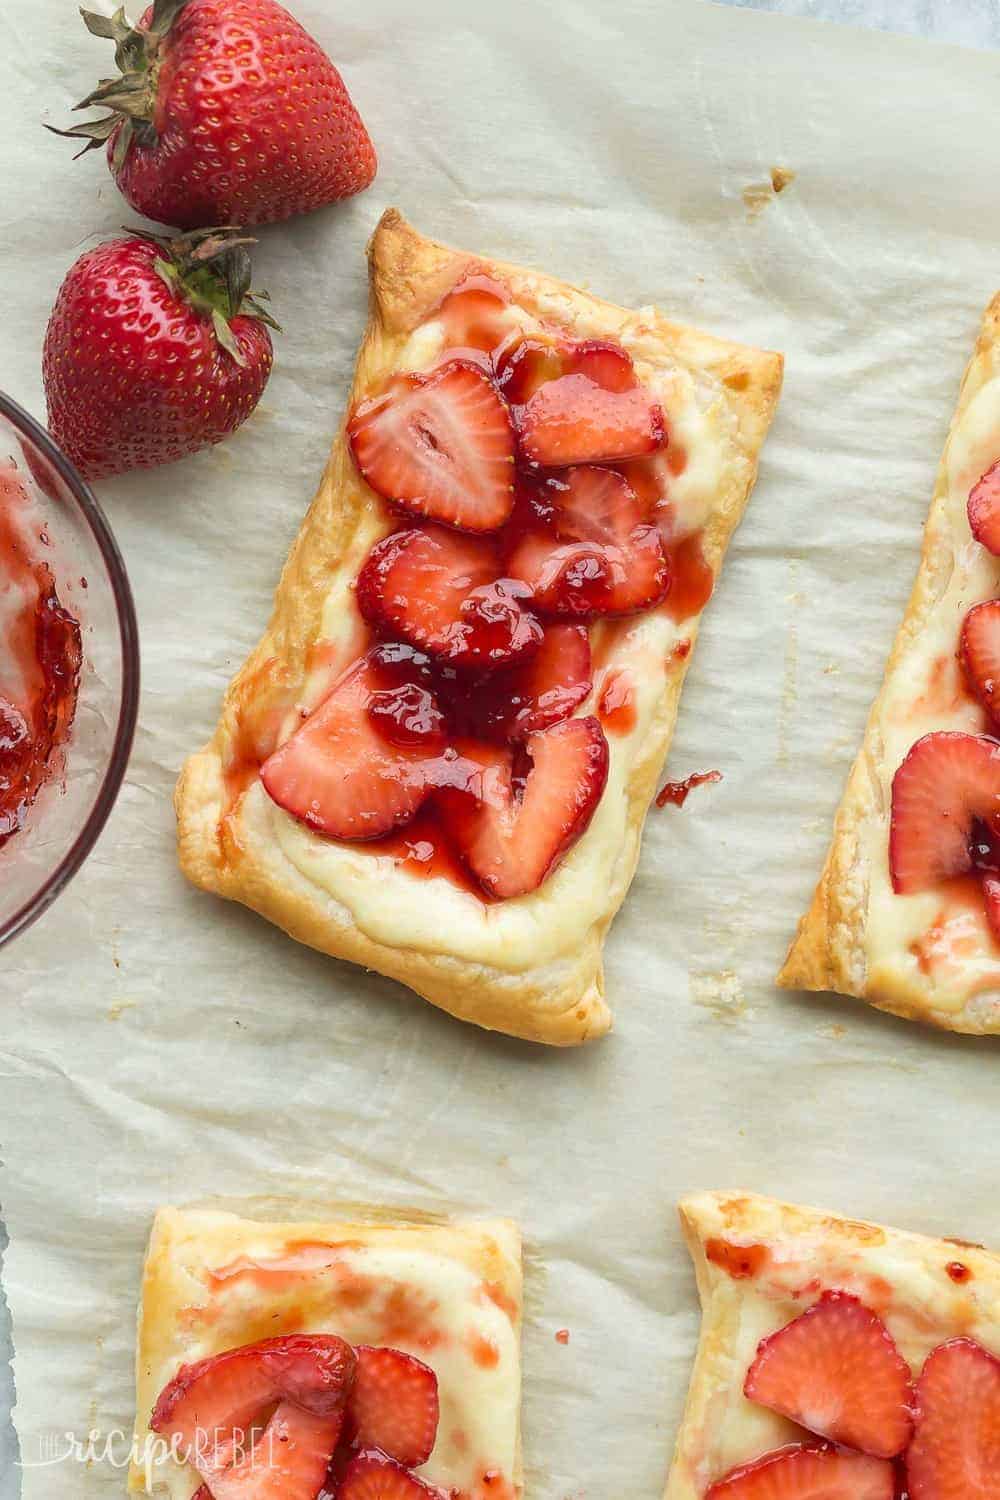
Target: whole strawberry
226,112
155,348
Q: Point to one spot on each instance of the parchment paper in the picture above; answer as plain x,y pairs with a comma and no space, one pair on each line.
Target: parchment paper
159,1045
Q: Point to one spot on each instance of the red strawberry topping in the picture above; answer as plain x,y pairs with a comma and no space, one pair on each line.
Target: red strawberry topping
370,1476
212,1411
573,420
439,446
393,1405
837,1371
440,591
947,781
955,1453
991,901
514,826
984,509
349,771
808,1473
979,653
606,364
511,705
597,556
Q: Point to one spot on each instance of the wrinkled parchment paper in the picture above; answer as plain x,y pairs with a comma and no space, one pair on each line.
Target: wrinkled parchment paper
159,1045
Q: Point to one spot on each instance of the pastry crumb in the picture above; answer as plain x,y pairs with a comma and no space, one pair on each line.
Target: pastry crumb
116,1011
833,1032
721,993
758,195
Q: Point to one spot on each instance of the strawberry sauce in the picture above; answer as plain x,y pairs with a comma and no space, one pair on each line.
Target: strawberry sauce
40,660
676,793
616,705
738,1261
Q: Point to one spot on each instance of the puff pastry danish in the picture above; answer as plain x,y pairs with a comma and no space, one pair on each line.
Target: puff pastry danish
505,927
437,1300
906,914
822,1337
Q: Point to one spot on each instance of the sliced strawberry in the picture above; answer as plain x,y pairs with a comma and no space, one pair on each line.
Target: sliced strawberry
573,420
441,592
512,705
514,829
296,1386
991,901
524,364
798,1472
955,1453
837,1371
394,1405
439,446
606,364
340,773
984,509
371,1476
597,556
473,313
979,653
947,781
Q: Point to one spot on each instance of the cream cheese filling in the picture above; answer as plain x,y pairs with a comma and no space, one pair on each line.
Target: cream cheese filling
932,941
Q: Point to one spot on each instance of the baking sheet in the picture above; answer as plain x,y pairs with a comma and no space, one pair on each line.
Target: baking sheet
159,1045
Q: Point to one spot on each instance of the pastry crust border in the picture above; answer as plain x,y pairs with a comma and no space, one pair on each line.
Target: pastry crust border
823,1240
828,951
561,1003
489,1247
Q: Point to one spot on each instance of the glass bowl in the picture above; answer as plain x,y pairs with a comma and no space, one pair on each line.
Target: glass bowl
62,825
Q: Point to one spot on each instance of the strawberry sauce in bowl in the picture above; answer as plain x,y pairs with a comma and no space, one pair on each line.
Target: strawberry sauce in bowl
69,670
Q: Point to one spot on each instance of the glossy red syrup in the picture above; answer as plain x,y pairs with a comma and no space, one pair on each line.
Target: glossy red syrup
562,1337
439,697
739,1261
676,793
40,661
692,578
958,1271
616,705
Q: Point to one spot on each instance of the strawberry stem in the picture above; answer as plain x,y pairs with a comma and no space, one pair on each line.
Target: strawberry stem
210,269
131,97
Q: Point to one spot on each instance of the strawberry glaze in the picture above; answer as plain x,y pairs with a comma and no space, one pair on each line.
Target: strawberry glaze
677,792
41,662
958,1271
616,705
738,1261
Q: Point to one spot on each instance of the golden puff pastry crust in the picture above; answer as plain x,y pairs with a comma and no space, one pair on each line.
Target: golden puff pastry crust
759,1263
531,967
447,1291
907,955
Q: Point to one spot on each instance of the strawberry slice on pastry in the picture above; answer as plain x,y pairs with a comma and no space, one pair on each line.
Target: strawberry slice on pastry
508,706
587,549
836,1370
515,821
984,509
260,1422
393,1405
573,420
955,1453
441,592
372,1476
440,446
808,1473
948,785
979,654
355,768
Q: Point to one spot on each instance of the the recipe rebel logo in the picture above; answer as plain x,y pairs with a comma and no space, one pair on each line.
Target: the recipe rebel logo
117,1449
